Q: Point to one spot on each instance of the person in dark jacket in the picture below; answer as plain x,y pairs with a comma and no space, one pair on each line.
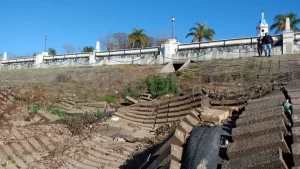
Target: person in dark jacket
259,46
267,41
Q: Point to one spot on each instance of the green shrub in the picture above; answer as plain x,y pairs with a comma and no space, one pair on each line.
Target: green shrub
159,86
17,97
99,114
34,108
109,98
131,91
54,109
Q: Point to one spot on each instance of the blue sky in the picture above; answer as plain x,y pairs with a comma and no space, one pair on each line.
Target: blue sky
24,23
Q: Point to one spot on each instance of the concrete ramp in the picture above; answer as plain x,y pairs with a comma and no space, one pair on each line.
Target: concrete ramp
175,66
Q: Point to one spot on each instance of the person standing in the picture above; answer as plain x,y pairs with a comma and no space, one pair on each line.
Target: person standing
259,46
267,42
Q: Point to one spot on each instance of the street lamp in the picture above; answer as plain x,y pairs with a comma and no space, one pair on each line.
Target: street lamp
173,19
45,42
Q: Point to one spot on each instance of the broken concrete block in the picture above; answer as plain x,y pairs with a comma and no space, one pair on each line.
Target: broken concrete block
214,115
184,127
176,138
172,165
205,102
191,120
172,152
272,158
131,99
195,114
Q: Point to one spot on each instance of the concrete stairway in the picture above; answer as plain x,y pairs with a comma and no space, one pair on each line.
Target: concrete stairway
53,146
150,115
262,136
78,107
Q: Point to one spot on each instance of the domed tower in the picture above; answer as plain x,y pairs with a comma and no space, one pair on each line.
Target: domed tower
262,26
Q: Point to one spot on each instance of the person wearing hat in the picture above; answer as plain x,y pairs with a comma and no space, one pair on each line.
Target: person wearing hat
267,41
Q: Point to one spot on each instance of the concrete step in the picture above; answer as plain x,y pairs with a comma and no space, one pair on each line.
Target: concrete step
12,157
257,144
47,115
271,158
258,129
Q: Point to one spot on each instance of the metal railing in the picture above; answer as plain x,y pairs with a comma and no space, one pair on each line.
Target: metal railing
224,43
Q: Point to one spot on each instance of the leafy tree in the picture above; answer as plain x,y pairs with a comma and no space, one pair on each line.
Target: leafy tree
201,32
280,21
88,49
51,51
137,39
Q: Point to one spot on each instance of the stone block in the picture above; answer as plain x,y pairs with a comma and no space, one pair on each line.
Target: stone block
194,114
173,152
172,165
259,129
205,102
214,115
269,159
184,127
176,138
97,105
131,99
256,144
191,120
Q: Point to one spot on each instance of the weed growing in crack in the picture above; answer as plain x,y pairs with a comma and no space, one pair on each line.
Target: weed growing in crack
159,86
17,97
99,114
35,107
11,159
55,110
109,98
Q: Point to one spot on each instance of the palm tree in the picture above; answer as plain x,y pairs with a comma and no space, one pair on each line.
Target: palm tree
280,19
137,38
201,32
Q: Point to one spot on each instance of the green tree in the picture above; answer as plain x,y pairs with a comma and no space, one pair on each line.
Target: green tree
137,39
51,51
88,49
201,32
280,19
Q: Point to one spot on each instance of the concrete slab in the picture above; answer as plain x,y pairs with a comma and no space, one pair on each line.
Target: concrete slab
184,127
131,99
259,129
177,138
271,158
172,165
191,120
173,152
214,115
256,144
